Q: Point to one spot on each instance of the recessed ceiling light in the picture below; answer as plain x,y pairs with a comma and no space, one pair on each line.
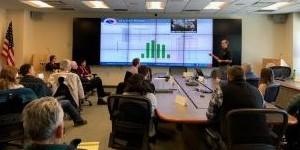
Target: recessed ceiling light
155,5
95,4
214,5
276,6
37,3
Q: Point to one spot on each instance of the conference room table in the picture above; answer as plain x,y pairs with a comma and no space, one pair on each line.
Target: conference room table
197,101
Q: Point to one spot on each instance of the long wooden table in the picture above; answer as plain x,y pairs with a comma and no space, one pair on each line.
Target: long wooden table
197,102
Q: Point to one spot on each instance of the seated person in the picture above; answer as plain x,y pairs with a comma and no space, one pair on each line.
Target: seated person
236,94
74,66
133,69
29,80
44,125
9,84
51,66
266,79
248,71
137,85
86,77
42,90
146,72
72,80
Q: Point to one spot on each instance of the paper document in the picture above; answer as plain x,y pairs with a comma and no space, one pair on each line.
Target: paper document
181,100
88,146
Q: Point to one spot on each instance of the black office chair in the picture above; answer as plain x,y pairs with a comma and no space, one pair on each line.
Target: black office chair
177,70
271,92
281,72
293,131
11,126
253,81
130,117
259,129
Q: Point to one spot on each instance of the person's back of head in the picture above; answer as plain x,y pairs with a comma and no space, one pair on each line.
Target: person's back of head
25,69
65,65
266,76
136,83
135,62
43,120
247,68
145,71
8,77
235,73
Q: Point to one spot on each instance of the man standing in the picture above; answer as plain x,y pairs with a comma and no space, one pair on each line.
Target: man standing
224,59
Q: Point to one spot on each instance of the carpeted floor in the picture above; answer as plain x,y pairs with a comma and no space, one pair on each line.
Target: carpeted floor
99,128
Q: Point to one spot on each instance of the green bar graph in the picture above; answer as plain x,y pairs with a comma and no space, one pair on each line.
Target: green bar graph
163,51
158,51
147,50
154,50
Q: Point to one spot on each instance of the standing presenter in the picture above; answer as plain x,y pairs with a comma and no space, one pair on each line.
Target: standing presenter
224,58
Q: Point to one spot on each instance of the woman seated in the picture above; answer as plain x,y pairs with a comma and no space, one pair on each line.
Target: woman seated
9,84
90,82
266,79
51,66
136,85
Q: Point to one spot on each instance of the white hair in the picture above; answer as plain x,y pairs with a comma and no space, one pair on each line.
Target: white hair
41,118
65,65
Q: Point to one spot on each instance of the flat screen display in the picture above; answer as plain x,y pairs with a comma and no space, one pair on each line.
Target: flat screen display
157,42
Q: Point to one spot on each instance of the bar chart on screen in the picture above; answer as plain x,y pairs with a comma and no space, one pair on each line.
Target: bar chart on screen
155,50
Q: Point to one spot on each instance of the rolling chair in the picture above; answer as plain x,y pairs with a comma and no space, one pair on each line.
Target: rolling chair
11,126
281,72
130,117
259,129
272,92
177,70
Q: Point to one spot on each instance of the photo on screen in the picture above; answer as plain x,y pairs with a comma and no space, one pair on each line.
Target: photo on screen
184,25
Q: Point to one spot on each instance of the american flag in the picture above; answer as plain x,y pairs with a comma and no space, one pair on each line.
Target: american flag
8,47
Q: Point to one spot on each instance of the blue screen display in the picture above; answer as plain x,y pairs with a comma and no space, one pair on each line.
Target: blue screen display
158,42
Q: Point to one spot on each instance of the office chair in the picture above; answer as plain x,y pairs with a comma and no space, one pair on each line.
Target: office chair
177,70
253,81
130,117
293,131
281,72
11,126
272,92
259,129
120,88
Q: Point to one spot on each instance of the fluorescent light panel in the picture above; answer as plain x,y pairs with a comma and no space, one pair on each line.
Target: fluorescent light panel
155,5
37,3
276,6
95,4
214,5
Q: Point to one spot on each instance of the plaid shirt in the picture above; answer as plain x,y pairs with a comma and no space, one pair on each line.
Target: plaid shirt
215,103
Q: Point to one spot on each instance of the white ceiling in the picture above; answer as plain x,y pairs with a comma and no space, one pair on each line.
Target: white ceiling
172,6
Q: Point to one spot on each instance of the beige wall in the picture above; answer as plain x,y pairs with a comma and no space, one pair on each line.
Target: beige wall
52,34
